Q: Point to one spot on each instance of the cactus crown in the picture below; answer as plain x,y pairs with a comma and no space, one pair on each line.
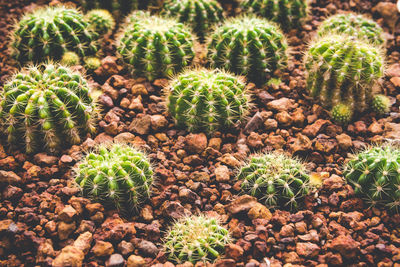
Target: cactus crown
207,100
381,104
196,239
375,175
249,46
45,107
115,174
101,21
278,180
70,59
342,113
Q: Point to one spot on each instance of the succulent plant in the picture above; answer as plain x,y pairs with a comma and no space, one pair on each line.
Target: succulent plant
118,8
115,174
207,100
354,25
155,47
278,180
196,239
70,59
92,63
381,104
288,13
248,46
199,14
342,113
375,175
46,107
101,21
49,32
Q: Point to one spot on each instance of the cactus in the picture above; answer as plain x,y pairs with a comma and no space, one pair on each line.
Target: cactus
288,13
248,46
46,107
375,175
118,8
196,239
115,174
354,25
92,63
49,32
341,69
342,113
199,14
70,59
101,21
381,104
276,179
207,100
155,47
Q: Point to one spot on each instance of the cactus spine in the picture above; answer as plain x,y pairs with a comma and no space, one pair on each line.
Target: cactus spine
101,21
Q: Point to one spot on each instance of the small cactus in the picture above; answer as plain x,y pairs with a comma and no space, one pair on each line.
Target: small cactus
288,13
354,25
46,107
207,100
101,21
342,113
49,32
276,179
196,239
375,175
381,104
199,14
248,46
155,47
115,174
92,63
118,8
70,59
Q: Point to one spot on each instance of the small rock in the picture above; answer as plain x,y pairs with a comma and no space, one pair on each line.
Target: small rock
147,248
225,263
234,251
102,249
229,160
344,141
282,104
69,256
83,242
284,119
313,129
241,204
44,159
136,261
158,122
141,125
287,230
67,214
9,177
124,138
125,247
254,140
307,249
115,260
389,13
259,211
270,124
254,123
65,229
222,173
196,143
172,209
139,89
345,245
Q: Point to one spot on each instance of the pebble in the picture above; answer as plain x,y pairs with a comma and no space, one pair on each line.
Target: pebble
102,249
135,261
147,248
115,260
195,143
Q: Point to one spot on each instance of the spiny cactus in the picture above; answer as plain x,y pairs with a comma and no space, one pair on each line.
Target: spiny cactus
342,113
278,180
288,13
199,14
70,59
46,107
115,174
49,32
92,63
375,175
196,239
249,46
118,8
342,69
207,100
381,104
101,21
353,25
155,47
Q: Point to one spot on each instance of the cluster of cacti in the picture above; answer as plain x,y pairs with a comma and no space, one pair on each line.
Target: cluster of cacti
248,46
101,21
199,14
196,239
207,100
375,175
46,107
278,180
49,32
288,13
381,104
155,47
115,174
70,59
342,113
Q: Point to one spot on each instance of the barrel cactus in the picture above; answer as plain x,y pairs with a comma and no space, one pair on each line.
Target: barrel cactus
49,32
381,104
117,175
196,239
342,113
375,175
70,59
207,100
276,179
249,46
118,8
101,21
46,107
92,63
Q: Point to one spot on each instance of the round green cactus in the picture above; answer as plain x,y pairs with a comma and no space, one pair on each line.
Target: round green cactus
118,175
276,179
92,63
353,25
101,21
248,46
155,47
342,113
375,175
70,59
196,239
207,100
46,107
381,104
118,8
199,14
288,13
49,32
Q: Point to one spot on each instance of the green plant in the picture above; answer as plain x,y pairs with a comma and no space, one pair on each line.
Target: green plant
353,25
101,21
155,47
49,32
46,107
196,239
207,100
70,59
381,104
118,8
248,46
375,175
199,14
342,113
288,13
115,174
92,63
278,180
